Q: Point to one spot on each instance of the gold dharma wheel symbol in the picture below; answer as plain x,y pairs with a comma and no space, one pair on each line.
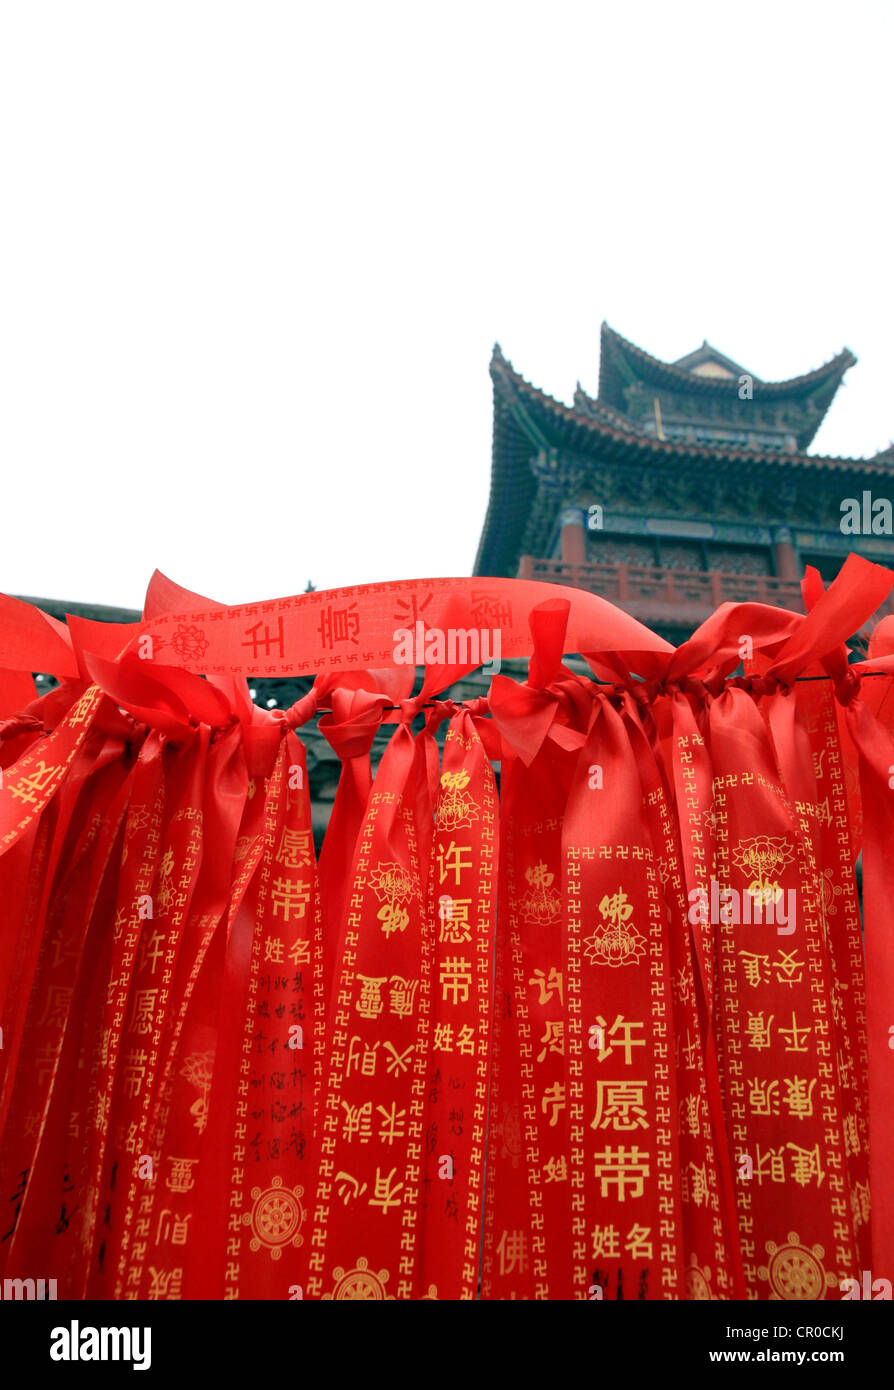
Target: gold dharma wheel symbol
795,1271
359,1283
276,1217
698,1288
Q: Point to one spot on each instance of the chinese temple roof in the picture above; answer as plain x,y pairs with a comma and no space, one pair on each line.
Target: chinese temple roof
529,422
708,374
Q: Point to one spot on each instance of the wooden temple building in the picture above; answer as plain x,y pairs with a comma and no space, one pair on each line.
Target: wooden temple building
679,486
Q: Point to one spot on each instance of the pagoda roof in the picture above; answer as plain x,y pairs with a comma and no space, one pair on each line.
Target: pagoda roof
708,356
622,364
527,420
597,410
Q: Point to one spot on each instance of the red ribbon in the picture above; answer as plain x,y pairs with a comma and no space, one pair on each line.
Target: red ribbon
160,883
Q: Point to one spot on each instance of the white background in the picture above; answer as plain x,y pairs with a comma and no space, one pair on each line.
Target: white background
254,258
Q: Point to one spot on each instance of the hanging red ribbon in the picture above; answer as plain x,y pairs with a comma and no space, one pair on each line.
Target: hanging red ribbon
535,1031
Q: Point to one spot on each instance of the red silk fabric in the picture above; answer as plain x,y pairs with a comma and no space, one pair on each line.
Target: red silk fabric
524,1029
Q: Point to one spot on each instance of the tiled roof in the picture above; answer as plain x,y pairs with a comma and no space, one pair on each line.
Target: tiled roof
603,423
527,419
620,360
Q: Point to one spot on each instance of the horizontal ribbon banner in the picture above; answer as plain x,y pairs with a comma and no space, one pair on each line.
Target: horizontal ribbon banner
354,628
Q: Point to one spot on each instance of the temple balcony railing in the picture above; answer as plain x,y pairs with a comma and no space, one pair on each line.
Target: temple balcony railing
658,596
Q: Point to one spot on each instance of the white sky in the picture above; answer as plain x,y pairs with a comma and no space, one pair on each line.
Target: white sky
254,258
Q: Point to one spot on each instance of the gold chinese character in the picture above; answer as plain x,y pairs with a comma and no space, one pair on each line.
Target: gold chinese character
393,1123
624,1040
799,1096
165,1283
615,940
756,968
553,1039
181,1179
556,1169
455,927
403,994
690,1117
370,1004
851,1136
456,979
299,952
385,1195
357,1121
455,780
620,1105
786,967
172,1227
512,1250
796,1035
134,1072
393,918
763,1097
294,849
143,1010
542,902
102,1112
56,1008
758,1031
450,860
683,987
691,1052
199,1070
367,1063
394,886
348,1187
860,1203
28,788
165,890
806,1165
770,1165
548,985
553,1101
763,856
606,1244
622,1168
46,1060
694,1183
289,898
398,1062
638,1243
151,950
80,712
